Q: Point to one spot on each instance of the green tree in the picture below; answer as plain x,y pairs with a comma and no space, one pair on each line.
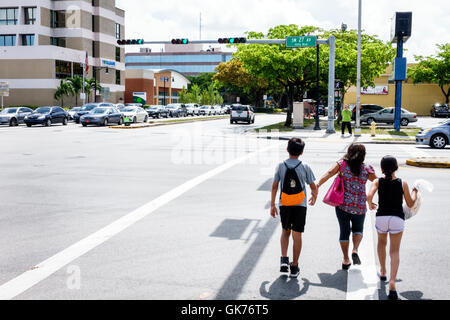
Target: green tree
89,85
64,89
183,96
202,81
234,78
77,86
434,69
375,57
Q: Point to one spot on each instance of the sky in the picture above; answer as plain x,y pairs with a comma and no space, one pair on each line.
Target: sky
154,21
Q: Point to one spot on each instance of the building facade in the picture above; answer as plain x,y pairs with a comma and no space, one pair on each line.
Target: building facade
161,86
418,98
45,41
187,59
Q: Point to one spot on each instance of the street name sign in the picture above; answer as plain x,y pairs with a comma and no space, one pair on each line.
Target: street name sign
301,42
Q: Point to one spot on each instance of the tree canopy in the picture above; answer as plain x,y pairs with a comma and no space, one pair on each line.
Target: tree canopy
434,69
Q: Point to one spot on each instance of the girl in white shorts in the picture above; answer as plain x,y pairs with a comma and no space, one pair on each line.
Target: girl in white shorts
390,217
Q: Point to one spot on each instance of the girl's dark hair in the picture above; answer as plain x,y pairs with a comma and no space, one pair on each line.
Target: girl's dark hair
356,154
388,166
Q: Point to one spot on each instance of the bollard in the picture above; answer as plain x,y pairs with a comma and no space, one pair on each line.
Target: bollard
373,127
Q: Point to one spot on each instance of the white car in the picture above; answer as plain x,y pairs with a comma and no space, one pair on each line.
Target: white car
136,114
205,110
219,109
192,109
241,113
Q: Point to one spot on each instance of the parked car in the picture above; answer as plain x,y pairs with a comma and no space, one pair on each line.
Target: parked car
205,111
119,106
192,109
133,105
436,137
177,110
240,113
14,116
157,112
136,114
47,116
365,109
73,111
218,109
440,110
102,116
86,108
387,116
226,109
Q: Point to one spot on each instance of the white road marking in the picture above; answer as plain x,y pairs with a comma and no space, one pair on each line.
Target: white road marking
363,281
43,270
414,152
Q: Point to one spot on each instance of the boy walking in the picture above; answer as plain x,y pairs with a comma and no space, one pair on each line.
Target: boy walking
293,175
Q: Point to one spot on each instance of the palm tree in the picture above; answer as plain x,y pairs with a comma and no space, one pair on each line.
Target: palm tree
89,86
77,86
64,89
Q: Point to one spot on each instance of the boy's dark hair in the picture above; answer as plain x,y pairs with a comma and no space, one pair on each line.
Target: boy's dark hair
296,147
388,166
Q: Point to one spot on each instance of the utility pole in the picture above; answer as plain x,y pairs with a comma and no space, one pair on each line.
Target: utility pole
358,77
317,126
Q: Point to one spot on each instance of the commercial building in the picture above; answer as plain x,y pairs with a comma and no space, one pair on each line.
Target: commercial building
418,98
158,87
188,59
44,41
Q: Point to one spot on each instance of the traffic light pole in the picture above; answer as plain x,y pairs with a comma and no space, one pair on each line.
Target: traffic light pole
330,42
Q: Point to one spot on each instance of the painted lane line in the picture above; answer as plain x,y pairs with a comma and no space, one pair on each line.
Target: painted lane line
43,270
414,152
362,280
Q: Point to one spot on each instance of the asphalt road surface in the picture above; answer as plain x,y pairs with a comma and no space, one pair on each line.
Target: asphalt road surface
181,212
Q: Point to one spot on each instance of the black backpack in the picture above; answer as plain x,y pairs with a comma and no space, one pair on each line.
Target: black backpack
292,193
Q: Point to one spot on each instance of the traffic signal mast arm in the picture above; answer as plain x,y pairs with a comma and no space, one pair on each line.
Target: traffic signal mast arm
248,41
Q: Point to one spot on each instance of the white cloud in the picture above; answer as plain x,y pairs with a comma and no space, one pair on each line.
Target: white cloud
175,18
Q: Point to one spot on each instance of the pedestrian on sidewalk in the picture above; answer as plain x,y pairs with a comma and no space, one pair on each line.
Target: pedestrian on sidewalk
351,214
346,120
390,218
293,175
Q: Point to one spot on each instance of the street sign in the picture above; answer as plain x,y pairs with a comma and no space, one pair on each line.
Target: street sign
301,42
140,97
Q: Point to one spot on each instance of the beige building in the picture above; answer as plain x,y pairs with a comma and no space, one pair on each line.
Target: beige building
417,98
44,41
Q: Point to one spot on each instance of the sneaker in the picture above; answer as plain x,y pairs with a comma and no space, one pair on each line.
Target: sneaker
284,265
295,271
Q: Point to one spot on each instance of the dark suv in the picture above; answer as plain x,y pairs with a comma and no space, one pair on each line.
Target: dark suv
365,109
440,110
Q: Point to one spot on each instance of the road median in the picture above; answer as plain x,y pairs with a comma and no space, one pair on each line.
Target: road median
429,162
166,123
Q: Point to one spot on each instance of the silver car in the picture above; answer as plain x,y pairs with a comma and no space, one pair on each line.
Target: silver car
387,116
436,137
136,114
14,116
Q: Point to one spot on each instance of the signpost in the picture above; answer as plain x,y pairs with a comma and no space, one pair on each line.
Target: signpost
4,90
301,42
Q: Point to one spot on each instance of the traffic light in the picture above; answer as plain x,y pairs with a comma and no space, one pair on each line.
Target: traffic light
123,42
232,40
180,41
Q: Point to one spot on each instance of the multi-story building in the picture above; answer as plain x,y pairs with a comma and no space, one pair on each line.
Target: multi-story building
187,59
44,41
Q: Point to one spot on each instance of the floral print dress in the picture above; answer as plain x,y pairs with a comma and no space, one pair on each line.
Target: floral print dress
355,189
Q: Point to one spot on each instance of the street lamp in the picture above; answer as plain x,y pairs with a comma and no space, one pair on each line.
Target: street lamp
164,79
358,77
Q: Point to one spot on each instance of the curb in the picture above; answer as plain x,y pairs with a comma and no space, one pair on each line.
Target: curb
429,162
388,142
157,124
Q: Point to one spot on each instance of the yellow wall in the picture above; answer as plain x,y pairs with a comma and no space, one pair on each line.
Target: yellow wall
418,98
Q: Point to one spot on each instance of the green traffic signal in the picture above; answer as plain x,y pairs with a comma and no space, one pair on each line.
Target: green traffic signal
231,40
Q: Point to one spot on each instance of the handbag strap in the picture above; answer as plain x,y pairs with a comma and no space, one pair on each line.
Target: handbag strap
342,168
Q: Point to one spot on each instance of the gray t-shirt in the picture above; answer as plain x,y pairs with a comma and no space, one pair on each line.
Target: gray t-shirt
304,173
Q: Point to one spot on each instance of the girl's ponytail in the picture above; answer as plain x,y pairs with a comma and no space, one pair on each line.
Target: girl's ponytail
388,166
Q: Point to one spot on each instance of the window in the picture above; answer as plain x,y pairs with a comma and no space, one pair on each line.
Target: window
9,16
30,15
77,69
63,69
117,31
57,19
59,42
28,39
7,40
118,77
117,54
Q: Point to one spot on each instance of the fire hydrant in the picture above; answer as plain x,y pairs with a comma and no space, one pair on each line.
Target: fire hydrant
373,127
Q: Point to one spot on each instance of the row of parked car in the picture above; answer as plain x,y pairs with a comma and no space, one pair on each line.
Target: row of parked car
374,113
104,113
